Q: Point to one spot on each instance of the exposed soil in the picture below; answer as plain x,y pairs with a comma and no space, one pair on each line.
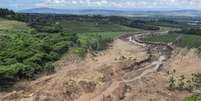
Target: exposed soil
130,70
185,62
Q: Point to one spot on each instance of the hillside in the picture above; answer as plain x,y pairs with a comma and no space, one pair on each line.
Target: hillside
125,71
13,25
26,53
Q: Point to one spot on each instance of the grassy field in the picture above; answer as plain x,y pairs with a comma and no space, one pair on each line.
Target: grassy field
192,98
93,41
162,38
189,41
12,25
168,29
84,38
80,27
103,34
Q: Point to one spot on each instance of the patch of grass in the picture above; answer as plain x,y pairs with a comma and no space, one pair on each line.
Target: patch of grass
97,40
191,41
162,38
192,98
188,41
162,28
103,34
80,27
80,51
12,25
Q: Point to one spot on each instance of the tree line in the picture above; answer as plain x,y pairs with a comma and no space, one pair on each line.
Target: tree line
6,12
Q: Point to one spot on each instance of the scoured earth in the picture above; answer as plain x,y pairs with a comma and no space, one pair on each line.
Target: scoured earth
130,70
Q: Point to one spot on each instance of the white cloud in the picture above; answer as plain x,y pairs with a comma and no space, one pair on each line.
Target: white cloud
122,3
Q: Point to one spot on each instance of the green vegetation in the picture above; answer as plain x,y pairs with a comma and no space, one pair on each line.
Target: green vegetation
24,52
189,41
80,27
97,40
162,38
12,25
143,25
93,41
191,31
162,28
75,23
192,98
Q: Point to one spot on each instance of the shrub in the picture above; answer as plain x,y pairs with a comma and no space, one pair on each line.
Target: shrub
79,51
192,98
172,80
196,80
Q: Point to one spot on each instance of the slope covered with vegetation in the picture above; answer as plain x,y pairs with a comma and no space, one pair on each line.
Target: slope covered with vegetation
24,54
13,25
31,48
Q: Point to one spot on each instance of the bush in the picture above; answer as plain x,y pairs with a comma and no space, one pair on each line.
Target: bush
192,98
196,80
79,51
98,43
61,47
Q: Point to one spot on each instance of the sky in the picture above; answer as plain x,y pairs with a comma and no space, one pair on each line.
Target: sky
102,4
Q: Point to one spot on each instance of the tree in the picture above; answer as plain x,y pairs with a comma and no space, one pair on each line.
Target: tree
4,12
181,84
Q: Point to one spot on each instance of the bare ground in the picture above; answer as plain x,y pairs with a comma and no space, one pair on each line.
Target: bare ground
185,62
116,74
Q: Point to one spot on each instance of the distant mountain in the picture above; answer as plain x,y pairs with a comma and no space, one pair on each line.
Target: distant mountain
72,11
44,10
113,12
